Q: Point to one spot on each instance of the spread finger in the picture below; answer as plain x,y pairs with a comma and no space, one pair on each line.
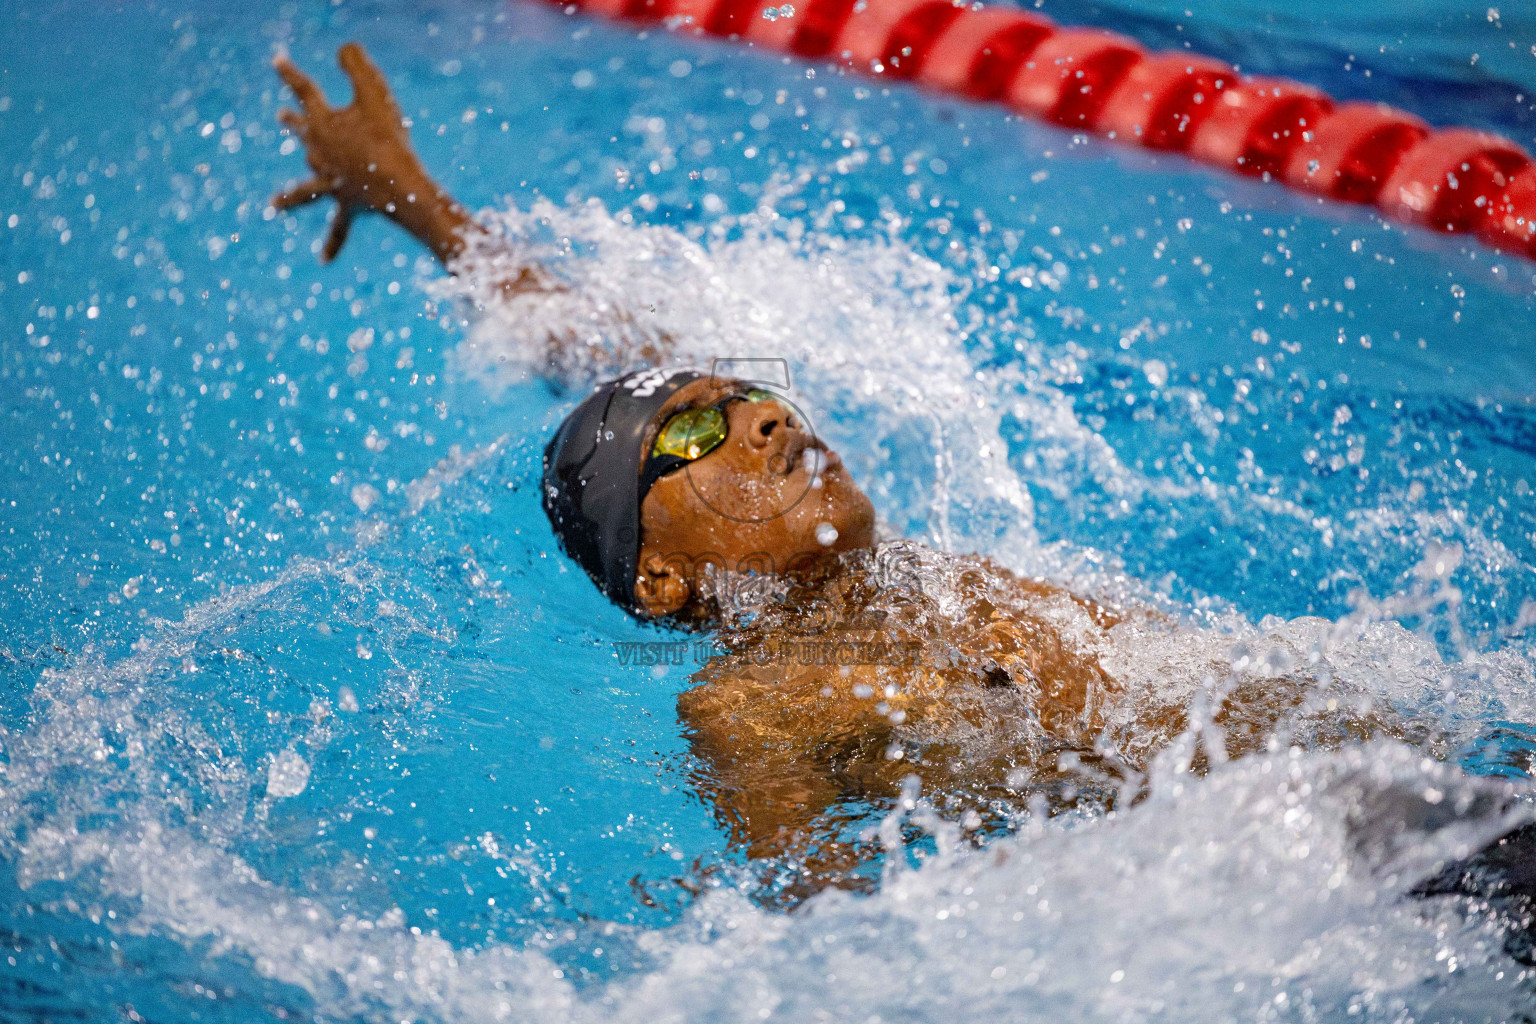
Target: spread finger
368,84
309,95
340,225
299,195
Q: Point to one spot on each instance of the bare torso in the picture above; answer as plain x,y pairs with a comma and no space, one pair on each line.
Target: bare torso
990,688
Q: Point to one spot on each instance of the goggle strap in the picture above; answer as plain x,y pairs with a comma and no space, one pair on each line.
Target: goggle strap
657,467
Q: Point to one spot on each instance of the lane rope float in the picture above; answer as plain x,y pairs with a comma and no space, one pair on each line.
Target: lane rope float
1446,179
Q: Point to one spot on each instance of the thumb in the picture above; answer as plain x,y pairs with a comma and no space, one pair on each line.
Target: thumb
341,225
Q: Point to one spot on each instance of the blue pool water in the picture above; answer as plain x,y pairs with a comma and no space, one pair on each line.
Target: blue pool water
301,716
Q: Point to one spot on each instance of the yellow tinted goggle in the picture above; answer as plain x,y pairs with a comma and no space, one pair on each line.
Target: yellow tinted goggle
694,433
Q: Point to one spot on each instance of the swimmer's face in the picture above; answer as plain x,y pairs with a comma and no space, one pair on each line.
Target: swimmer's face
756,502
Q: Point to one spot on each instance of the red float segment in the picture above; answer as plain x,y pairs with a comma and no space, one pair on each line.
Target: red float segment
1257,124
820,26
869,39
778,34
910,42
980,51
733,18
1353,150
1512,222
1282,128
1071,74
1452,180
604,8
690,15
646,10
1162,100
861,43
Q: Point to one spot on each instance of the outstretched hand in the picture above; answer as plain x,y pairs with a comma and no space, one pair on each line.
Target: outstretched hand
360,154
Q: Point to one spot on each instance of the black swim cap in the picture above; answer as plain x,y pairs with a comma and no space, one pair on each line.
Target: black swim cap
592,487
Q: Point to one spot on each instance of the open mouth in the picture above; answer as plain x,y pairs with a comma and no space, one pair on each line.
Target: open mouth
809,456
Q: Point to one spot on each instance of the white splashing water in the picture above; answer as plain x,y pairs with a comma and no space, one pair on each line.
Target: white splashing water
868,329
1272,890
287,774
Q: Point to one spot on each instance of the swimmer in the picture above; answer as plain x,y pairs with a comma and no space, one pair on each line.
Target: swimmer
847,663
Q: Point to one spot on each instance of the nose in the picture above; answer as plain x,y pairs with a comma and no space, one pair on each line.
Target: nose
768,419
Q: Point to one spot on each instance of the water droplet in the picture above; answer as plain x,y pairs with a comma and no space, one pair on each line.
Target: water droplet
826,534
364,495
287,774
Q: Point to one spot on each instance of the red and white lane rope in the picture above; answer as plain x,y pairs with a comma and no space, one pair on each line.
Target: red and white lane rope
1448,179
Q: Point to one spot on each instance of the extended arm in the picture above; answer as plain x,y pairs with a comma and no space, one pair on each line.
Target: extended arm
361,156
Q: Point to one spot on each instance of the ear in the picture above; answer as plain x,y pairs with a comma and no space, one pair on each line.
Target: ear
663,587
